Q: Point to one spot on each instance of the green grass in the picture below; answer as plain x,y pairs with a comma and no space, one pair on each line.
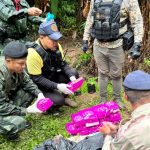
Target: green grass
48,126
43,127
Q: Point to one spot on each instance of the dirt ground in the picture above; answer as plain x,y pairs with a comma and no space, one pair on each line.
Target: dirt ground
73,48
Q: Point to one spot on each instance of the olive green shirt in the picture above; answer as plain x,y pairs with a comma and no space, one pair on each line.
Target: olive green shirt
9,84
14,22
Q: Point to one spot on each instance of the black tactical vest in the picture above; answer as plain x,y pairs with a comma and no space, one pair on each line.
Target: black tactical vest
107,20
52,61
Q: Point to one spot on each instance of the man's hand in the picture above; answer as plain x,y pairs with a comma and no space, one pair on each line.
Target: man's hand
108,128
64,88
73,78
40,96
134,53
33,11
33,109
85,46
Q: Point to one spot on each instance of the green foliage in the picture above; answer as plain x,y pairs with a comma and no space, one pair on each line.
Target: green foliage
43,127
54,7
68,7
80,29
65,12
90,80
48,126
110,90
147,61
83,60
85,57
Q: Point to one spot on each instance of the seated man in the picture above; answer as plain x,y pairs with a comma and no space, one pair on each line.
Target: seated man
134,135
47,67
17,91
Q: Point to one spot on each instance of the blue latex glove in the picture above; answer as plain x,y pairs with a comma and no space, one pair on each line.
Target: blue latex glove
49,17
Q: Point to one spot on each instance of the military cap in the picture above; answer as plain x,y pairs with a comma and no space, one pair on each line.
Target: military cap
15,49
137,80
50,29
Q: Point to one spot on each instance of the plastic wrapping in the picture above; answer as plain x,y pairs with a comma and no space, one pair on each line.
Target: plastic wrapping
88,121
44,104
94,142
75,85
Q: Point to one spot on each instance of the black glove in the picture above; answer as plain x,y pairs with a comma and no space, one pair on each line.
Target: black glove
85,46
135,51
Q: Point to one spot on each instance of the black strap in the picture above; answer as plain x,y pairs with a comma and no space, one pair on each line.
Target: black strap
123,23
41,52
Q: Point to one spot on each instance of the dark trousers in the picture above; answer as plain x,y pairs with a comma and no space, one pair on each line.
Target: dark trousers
57,97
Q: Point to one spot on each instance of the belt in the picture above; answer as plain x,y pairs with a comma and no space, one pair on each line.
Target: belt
109,40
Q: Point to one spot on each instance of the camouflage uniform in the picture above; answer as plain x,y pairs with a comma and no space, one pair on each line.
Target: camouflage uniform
16,93
109,56
134,135
13,23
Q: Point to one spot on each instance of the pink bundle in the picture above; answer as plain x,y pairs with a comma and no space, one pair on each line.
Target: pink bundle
75,85
44,104
89,120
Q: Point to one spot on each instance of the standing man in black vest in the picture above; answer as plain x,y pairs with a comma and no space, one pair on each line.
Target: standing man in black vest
47,67
107,22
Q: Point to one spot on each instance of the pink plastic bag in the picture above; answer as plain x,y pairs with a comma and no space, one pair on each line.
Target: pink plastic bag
44,104
75,85
88,120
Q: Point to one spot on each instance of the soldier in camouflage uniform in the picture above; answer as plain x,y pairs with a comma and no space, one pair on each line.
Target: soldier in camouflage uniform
17,91
107,22
134,134
14,15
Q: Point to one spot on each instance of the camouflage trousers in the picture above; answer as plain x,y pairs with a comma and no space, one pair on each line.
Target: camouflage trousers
13,124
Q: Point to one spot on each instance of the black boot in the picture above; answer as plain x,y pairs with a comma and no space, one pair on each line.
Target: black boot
13,137
28,125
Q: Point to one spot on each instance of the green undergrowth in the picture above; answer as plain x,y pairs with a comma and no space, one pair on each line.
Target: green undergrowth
47,126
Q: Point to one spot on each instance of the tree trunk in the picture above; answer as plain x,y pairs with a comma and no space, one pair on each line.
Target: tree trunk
139,64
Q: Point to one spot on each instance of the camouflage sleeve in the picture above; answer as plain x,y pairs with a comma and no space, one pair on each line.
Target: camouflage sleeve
7,14
120,143
7,108
29,85
136,20
89,22
36,20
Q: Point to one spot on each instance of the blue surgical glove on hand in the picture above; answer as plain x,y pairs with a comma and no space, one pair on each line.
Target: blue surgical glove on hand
85,46
135,51
64,88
